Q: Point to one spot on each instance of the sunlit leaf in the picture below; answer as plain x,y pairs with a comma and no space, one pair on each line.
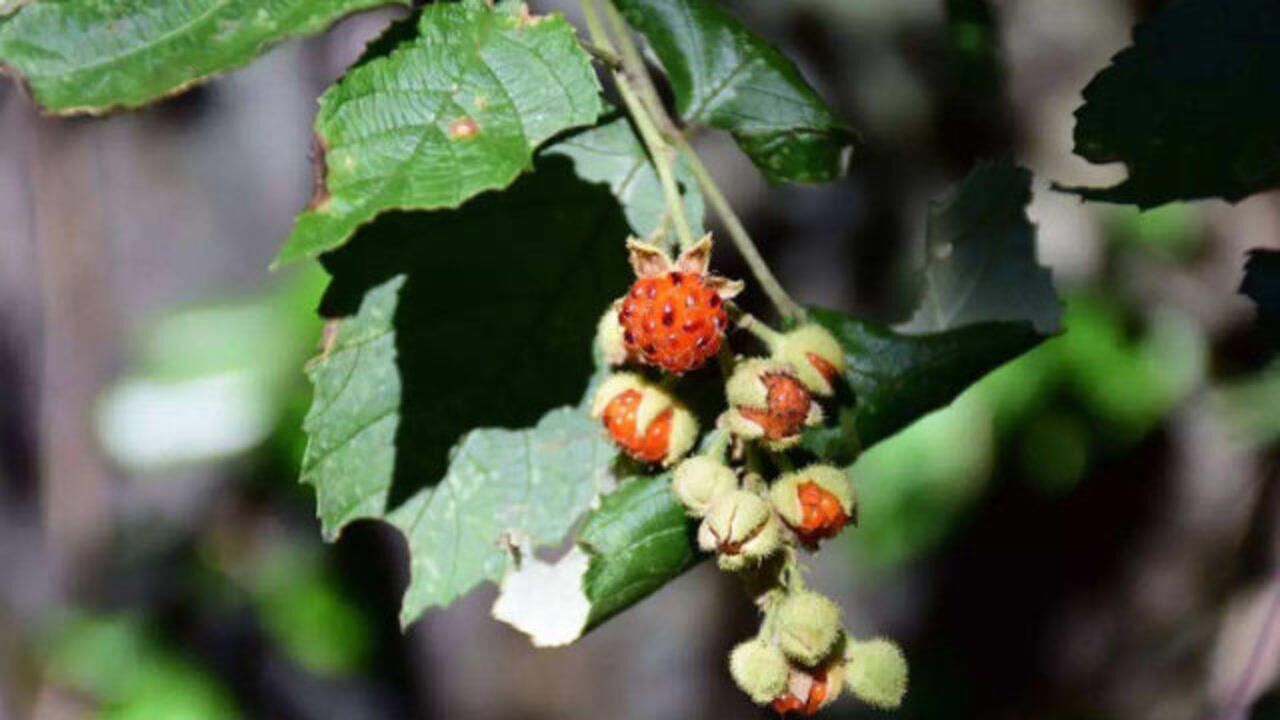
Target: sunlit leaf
92,57
440,118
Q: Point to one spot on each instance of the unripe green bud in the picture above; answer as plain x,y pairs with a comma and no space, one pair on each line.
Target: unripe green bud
760,670
700,480
814,354
609,337
876,672
808,625
740,528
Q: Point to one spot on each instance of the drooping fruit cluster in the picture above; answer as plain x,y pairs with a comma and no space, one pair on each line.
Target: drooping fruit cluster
671,322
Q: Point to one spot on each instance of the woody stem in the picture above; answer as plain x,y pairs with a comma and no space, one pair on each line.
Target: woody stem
634,67
661,153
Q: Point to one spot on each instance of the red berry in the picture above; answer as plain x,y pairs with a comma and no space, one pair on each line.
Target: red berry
619,418
787,407
675,320
823,515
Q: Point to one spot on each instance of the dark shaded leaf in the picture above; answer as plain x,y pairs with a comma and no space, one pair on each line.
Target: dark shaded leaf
727,77
896,379
981,251
1191,107
452,320
1262,285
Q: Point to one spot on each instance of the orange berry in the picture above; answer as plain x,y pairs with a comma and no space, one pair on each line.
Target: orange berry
824,516
620,420
674,321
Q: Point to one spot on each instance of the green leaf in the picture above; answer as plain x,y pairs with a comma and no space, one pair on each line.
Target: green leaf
477,317
1191,107
612,154
981,251
725,76
439,119
94,57
639,540
896,379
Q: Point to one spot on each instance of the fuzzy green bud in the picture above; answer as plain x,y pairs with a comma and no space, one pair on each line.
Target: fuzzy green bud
700,480
609,337
741,529
876,672
760,670
808,626
814,354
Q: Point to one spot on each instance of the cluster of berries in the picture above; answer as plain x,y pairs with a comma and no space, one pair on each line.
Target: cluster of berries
675,318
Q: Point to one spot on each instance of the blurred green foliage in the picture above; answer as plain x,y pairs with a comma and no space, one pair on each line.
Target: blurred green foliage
1091,392
117,662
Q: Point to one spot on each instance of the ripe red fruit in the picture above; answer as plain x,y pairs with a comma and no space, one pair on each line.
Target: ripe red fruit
673,317
619,419
674,321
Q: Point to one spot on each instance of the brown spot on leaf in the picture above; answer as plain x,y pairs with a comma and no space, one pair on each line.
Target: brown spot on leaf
464,128
330,337
319,173
528,18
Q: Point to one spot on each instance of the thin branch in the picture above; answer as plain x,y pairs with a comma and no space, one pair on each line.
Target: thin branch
634,67
661,153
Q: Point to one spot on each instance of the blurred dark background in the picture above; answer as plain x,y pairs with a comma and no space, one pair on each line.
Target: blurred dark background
1088,533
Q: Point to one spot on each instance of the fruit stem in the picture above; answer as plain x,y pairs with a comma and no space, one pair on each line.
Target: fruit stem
756,327
661,154
783,462
634,67
717,444
739,235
